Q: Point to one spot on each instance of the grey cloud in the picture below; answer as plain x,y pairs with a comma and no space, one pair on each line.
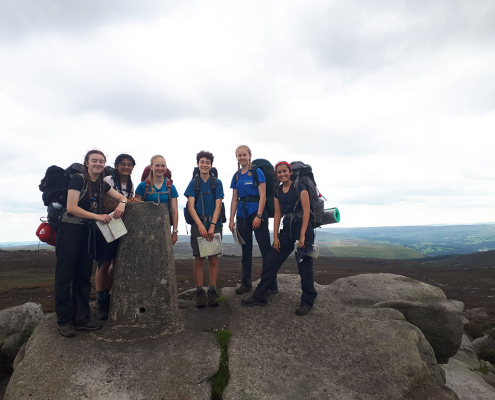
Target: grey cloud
20,18
337,38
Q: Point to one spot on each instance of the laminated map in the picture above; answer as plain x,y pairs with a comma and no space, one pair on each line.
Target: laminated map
213,248
113,230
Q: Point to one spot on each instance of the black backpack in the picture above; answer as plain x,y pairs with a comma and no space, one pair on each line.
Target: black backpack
54,188
267,169
197,193
303,173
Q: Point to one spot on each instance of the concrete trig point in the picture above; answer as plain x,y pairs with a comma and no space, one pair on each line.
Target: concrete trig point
145,287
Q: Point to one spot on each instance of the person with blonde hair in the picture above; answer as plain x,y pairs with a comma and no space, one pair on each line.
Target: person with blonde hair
248,202
160,190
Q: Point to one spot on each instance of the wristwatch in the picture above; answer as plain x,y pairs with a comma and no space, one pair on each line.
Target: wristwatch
123,201
260,216
175,231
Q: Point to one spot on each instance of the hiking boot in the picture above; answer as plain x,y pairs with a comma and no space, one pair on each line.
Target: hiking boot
212,298
243,289
200,299
303,308
252,301
102,309
271,292
67,330
90,325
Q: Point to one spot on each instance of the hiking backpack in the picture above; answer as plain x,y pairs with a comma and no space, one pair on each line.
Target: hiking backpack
197,193
267,169
167,176
54,187
303,173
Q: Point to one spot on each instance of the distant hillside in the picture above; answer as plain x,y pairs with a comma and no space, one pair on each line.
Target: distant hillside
401,242
428,240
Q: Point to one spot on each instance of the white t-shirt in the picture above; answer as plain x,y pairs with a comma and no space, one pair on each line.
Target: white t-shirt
108,179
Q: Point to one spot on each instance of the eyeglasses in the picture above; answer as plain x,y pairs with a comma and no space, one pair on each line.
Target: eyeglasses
123,164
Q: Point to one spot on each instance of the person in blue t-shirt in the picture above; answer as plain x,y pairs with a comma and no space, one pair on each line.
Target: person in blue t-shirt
206,216
248,201
297,224
158,191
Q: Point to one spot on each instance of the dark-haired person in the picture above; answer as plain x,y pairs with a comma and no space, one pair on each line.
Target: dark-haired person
206,216
75,244
106,252
248,202
297,225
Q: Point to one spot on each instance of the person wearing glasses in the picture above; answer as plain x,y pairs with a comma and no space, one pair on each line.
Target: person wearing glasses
107,252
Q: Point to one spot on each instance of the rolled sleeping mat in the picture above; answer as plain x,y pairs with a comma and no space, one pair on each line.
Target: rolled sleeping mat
331,216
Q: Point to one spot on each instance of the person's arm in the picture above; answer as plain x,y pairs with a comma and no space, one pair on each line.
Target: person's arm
304,195
175,219
261,204
276,224
214,219
233,209
194,216
119,210
74,209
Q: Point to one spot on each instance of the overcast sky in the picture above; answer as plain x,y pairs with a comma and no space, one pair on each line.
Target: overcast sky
392,102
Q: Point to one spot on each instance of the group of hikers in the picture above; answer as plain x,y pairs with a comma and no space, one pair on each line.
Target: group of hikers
91,196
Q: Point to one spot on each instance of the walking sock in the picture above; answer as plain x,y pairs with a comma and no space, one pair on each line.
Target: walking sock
107,293
100,296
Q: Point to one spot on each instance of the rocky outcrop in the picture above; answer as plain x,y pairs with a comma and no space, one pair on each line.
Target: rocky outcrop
337,351
116,364
422,305
343,349
20,319
16,325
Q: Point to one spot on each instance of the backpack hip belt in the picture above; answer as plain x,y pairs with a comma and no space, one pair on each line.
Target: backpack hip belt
247,199
71,219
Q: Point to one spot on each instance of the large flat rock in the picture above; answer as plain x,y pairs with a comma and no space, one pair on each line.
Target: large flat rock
337,351
116,363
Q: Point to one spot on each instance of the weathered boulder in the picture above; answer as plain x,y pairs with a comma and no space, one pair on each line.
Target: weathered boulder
490,379
365,290
337,351
439,320
145,287
19,319
466,354
10,348
466,383
483,344
475,315
116,363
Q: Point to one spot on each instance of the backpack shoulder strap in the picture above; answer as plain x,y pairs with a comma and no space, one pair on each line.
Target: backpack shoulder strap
85,187
254,171
197,188
213,184
168,182
146,188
